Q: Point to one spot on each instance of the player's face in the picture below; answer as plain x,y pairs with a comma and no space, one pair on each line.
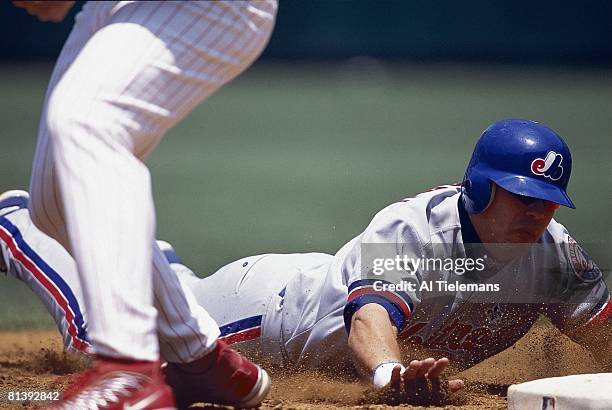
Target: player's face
516,218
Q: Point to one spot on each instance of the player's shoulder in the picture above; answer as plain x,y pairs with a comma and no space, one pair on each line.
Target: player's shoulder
432,208
424,203
433,196
570,253
555,233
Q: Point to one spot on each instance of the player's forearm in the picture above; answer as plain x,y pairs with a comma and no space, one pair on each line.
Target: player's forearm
372,338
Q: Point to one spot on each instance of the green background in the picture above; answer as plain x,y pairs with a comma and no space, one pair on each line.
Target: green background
299,157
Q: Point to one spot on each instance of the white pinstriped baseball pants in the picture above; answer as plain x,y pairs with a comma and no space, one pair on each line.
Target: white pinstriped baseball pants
128,72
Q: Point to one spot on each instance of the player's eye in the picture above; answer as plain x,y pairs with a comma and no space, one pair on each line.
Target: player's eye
528,201
525,200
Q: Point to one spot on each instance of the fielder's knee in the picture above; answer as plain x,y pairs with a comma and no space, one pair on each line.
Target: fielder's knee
85,124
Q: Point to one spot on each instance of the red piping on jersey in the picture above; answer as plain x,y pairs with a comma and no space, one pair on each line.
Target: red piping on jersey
242,336
603,315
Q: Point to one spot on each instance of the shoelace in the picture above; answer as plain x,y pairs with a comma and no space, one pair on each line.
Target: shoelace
105,392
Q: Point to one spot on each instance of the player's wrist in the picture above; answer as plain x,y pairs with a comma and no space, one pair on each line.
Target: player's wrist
381,374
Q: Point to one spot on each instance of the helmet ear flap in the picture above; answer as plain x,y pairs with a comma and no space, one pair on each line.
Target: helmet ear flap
476,192
466,197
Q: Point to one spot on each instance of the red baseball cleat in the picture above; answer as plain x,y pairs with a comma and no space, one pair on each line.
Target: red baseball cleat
223,376
114,384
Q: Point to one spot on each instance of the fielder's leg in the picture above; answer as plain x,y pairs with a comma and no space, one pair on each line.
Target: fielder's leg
137,75
186,330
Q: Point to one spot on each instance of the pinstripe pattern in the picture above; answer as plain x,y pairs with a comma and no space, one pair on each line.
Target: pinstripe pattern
183,323
116,89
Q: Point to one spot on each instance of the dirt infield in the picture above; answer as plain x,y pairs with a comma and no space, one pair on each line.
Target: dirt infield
34,361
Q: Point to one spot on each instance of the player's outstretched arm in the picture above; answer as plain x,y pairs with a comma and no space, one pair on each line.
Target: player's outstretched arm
372,338
373,342
54,11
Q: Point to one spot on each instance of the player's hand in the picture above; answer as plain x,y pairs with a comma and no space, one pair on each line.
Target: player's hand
54,11
420,383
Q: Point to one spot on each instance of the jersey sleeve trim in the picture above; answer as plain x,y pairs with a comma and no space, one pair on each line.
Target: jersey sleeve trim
603,312
398,304
395,315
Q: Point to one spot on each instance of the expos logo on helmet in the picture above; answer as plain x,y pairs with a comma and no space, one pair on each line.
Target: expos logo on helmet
549,167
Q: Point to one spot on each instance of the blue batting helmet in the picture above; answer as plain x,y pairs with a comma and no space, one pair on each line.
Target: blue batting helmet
521,156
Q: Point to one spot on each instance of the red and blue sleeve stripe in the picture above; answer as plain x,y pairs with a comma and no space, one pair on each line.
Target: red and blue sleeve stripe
50,280
602,312
398,304
241,330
